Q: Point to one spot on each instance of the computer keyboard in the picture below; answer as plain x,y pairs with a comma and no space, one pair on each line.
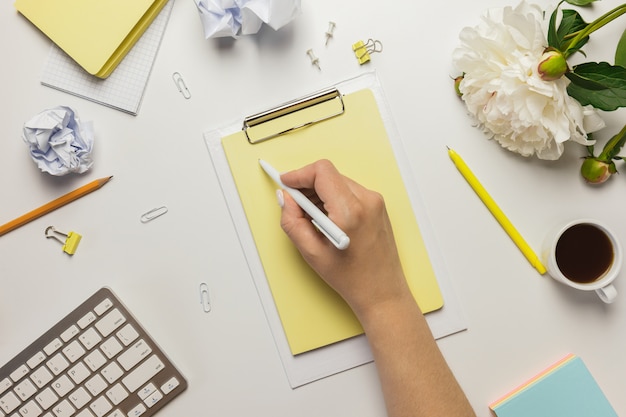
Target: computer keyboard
96,362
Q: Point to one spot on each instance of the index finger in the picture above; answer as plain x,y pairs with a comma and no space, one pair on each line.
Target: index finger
321,176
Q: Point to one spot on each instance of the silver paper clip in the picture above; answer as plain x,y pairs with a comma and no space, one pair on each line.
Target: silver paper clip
180,84
204,298
153,214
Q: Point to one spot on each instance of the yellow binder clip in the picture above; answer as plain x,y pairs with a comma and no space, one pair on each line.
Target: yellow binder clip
70,243
362,50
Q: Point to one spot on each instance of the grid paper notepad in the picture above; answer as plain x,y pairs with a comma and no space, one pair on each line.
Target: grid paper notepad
124,88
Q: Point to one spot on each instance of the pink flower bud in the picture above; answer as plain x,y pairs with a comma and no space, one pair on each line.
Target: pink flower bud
552,65
595,171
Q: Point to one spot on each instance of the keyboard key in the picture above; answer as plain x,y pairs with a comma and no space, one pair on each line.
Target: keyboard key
36,359
41,376
86,320
101,406
96,385
135,354
57,364
149,368
95,360
112,372
79,373
63,409
170,385
127,334
30,409
5,384
25,389
146,391
53,346
90,338
117,394
62,386
86,413
46,398
20,372
9,402
101,308
110,322
73,351
80,397
68,334
137,410
154,398
111,347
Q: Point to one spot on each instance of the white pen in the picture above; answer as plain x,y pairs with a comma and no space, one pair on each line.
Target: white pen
318,218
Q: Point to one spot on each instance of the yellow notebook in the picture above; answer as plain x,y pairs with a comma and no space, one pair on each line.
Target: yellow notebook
311,313
97,34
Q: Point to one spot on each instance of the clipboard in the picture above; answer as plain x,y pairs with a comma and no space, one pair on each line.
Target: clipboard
306,365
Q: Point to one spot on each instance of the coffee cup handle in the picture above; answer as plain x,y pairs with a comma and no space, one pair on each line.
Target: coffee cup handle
607,294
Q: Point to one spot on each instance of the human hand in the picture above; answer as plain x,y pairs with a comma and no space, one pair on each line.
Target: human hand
368,272
415,378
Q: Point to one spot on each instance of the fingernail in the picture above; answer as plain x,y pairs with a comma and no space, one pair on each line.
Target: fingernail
280,198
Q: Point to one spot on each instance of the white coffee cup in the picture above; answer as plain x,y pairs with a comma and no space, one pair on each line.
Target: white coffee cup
584,254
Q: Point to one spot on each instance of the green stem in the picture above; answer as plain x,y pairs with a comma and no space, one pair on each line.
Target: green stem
595,25
613,146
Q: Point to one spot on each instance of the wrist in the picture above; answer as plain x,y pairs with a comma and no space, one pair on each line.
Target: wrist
386,311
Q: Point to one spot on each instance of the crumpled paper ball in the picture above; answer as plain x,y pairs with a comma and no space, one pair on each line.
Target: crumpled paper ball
59,143
221,18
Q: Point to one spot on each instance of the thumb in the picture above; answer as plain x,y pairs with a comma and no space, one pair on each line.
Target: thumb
296,225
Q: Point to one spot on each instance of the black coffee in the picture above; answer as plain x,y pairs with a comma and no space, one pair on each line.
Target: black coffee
584,253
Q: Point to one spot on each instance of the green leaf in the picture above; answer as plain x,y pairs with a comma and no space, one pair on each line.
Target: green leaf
620,53
571,23
600,85
584,82
613,146
580,2
553,39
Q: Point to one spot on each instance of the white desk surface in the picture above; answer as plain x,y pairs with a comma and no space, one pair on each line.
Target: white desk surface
519,322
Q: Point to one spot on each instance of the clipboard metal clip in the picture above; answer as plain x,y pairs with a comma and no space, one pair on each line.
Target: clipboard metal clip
293,115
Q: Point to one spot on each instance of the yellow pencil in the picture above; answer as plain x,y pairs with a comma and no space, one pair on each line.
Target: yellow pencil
53,205
497,212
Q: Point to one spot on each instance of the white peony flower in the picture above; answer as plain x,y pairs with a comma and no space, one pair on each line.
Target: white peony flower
504,92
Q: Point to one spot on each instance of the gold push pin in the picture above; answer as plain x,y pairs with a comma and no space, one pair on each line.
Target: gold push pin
70,243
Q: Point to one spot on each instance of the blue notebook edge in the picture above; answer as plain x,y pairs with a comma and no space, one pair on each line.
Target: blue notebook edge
568,390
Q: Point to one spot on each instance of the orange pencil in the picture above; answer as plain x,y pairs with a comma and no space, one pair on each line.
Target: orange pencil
53,205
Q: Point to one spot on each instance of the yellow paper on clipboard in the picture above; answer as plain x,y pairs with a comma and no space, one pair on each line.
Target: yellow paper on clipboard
356,141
